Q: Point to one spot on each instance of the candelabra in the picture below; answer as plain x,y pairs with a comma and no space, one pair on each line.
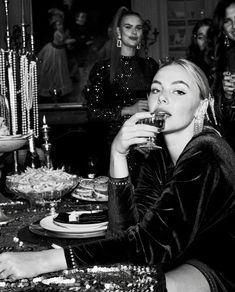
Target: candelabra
47,145
149,35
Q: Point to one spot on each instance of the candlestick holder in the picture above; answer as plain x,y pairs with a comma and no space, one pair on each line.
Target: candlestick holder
47,145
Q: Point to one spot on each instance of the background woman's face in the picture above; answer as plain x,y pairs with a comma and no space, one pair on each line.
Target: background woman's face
229,21
201,37
131,30
175,92
81,18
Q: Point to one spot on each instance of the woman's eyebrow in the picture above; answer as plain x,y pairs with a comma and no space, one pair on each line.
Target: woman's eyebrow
180,82
175,82
156,81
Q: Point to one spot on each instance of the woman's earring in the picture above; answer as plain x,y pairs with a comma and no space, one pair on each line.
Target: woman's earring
226,41
212,107
119,42
200,117
138,46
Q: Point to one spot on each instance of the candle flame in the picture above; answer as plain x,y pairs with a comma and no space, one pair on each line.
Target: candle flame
44,120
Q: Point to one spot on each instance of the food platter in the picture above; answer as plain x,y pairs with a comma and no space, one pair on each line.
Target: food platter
92,190
41,184
91,197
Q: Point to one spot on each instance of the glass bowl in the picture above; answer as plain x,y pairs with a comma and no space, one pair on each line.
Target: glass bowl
39,186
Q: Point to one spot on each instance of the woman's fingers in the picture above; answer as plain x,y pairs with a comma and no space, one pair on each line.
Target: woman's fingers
136,117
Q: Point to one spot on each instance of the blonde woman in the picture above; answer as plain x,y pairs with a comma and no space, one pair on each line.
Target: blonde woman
181,214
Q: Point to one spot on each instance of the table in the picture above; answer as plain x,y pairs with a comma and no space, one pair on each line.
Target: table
15,236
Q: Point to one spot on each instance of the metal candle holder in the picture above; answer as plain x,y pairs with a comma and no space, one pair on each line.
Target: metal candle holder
47,145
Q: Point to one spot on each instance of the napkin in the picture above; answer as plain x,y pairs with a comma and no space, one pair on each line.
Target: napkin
83,218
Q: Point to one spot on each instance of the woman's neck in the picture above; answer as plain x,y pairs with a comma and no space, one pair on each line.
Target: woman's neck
177,141
127,51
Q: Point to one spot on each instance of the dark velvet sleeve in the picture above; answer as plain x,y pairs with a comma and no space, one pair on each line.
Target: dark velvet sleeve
185,213
96,93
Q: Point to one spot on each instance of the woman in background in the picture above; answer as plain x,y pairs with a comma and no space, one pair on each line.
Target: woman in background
223,86
118,86
200,50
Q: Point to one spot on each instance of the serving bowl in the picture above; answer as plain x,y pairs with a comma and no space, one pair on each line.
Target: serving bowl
42,185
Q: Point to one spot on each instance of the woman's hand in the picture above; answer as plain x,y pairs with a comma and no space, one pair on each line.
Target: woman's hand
140,106
19,265
131,133
228,84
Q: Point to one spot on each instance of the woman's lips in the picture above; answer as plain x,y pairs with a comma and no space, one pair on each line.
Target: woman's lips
133,38
162,112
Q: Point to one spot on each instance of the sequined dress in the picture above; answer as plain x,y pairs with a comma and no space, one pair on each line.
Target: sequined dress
105,100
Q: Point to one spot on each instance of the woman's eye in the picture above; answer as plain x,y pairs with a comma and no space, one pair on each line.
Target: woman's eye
179,92
227,22
139,28
155,90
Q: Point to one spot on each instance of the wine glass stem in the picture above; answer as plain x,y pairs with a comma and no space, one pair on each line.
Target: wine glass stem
52,208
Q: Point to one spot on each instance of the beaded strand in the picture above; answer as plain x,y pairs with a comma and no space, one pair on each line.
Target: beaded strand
34,90
12,93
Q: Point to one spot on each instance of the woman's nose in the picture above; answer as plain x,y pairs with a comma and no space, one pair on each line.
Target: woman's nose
134,31
162,99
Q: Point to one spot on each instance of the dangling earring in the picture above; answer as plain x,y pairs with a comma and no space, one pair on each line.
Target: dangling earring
138,46
226,41
200,117
212,107
119,42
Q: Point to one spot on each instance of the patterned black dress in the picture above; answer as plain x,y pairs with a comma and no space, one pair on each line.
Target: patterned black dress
105,100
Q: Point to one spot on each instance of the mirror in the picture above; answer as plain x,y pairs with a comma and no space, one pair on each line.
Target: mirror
69,36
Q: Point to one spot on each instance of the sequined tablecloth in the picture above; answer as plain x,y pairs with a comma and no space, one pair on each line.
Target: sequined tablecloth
15,236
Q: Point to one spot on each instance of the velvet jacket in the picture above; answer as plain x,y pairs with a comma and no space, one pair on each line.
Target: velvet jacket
177,214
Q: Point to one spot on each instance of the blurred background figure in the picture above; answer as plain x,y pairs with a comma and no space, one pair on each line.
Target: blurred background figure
224,84
118,86
200,50
79,50
53,64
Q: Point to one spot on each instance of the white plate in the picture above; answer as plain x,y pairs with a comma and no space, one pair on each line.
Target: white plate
37,229
77,226
48,224
91,198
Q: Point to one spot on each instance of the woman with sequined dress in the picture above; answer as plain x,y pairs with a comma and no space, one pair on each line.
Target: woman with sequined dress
118,86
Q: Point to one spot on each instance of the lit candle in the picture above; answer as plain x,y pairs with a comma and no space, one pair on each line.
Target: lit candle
44,120
44,126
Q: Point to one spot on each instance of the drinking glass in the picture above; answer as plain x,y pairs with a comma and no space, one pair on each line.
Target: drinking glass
157,120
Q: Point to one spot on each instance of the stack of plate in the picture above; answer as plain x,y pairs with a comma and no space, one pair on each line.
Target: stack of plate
49,226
